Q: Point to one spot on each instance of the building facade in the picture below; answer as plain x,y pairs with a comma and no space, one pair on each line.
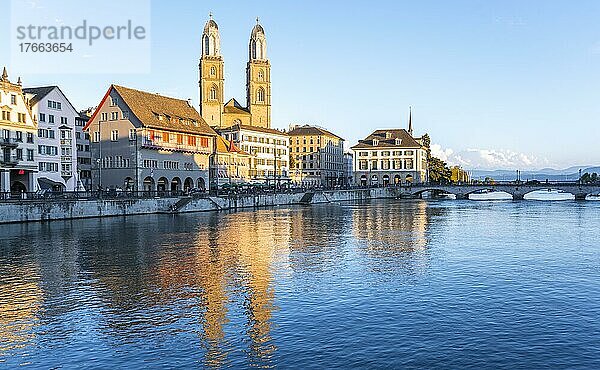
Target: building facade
213,108
268,148
56,143
459,175
348,169
317,156
229,164
18,164
84,155
145,141
388,157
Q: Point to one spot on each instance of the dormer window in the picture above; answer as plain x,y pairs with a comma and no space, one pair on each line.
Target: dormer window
375,142
388,135
398,141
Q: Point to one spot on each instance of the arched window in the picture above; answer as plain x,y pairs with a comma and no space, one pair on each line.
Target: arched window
253,50
260,95
213,71
259,53
213,93
213,44
261,75
206,46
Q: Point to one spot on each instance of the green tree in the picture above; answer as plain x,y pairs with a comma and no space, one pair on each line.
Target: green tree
439,172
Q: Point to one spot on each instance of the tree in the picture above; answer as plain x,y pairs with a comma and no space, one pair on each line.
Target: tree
438,169
589,179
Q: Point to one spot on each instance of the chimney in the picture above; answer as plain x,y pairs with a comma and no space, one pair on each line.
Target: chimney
189,101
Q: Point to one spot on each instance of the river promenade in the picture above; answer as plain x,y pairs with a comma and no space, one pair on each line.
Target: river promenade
87,205
28,210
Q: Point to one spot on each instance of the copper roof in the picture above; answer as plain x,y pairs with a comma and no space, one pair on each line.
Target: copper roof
387,139
161,112
311,130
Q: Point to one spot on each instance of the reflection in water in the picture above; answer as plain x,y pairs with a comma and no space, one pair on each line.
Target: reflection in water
191,289
394,236
20,302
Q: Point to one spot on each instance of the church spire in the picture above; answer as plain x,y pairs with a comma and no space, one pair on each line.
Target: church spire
410,128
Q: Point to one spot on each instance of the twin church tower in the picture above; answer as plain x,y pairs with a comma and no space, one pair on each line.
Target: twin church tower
213,108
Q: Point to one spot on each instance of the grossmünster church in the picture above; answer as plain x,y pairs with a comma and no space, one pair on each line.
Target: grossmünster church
213,108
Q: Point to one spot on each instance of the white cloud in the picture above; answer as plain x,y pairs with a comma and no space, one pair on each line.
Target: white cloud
488,159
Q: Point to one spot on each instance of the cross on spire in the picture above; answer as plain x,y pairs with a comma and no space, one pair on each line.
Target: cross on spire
257,20
410,128
210,15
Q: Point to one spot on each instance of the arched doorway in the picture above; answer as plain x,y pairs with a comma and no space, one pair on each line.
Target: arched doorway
17,187
148,184
409,179
397,179
363,180
188,184
128,184
162,184
386,180
374,180
201,184
175,185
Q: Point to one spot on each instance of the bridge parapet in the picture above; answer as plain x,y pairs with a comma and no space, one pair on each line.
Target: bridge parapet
518,191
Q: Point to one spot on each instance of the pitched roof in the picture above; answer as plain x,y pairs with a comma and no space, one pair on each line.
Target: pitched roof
233,106
148,107
253,128
38,92
226,146
311,130
387,138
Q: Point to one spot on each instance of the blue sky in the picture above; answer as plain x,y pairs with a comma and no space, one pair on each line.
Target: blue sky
496,84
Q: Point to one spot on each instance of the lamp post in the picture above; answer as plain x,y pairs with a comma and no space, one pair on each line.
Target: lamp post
580,176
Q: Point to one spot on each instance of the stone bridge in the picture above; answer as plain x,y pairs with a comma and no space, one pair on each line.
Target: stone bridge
517,190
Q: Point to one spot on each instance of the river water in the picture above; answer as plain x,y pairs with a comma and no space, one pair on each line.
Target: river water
383,284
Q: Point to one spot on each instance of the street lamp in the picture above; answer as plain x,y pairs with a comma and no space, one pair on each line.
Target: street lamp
580,176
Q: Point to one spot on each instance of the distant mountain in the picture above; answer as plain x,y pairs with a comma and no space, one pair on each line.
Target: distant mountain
567,174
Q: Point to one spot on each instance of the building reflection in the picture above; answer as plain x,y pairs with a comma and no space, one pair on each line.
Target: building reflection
395,234
21,300
229,273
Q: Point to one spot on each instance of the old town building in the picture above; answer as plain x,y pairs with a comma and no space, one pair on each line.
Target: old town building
84,156
269,162
213,108
317,156
18,138
229,164
145,141
391,156
56,143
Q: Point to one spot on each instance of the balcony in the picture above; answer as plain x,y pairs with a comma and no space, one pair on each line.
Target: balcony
9,143
9,161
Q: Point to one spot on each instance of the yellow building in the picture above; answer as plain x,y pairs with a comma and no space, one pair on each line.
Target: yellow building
230,165
18,130
316,156
213,108
459,175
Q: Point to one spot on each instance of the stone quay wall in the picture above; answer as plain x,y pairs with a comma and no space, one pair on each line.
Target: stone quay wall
47,210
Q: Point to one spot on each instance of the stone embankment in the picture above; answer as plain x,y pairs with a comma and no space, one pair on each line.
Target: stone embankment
46,210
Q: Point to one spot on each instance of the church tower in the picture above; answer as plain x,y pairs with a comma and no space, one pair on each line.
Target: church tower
212,81
258,79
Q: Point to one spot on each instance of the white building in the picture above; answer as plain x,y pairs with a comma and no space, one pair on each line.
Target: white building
17,140
56,150
268,148
388,157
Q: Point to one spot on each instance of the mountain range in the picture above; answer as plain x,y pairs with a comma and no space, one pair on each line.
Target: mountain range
551,174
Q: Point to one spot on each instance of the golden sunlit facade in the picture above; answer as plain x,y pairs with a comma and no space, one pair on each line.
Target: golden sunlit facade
213,108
